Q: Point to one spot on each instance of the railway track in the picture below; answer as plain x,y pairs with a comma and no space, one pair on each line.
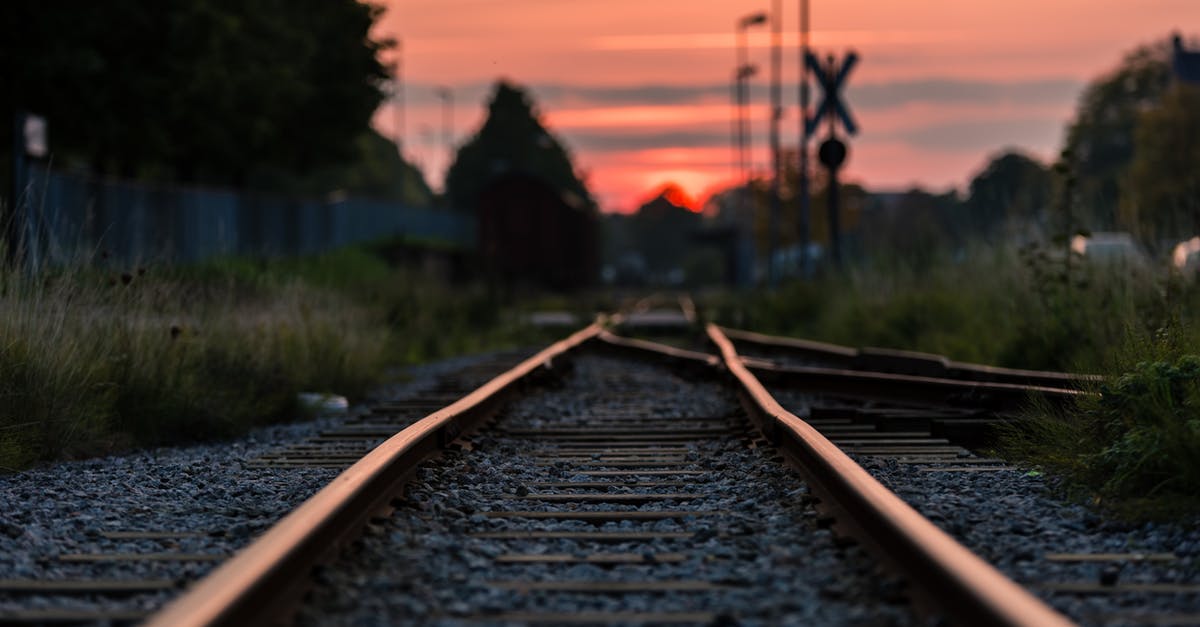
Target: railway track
617,475
611,480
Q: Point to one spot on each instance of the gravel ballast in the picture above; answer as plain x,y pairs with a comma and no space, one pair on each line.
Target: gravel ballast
56,521
758,538
1012,518
768,551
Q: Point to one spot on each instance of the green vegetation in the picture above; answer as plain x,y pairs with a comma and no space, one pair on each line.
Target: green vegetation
1000,307
93,361
260,93
1134,446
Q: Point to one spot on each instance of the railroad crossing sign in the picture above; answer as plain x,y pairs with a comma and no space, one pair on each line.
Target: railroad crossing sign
832,153
831,79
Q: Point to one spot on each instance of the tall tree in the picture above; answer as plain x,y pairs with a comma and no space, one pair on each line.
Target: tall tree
205,89
1101,138
512,139
1163,199
1013,188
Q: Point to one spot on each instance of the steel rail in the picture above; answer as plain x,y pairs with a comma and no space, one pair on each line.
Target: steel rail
891,386
948,576
252,587
669,353
924,364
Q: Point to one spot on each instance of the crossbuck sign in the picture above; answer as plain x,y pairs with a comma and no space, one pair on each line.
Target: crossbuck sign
832,78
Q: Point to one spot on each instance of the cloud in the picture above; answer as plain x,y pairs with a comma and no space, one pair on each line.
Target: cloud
946,91
610,142
981,135
861,96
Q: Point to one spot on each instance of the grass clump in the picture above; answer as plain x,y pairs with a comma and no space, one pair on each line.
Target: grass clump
1148,423
1132,445
93,362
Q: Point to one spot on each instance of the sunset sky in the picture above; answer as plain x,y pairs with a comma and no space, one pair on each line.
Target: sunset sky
639,91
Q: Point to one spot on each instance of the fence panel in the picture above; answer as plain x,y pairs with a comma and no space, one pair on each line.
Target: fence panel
68,216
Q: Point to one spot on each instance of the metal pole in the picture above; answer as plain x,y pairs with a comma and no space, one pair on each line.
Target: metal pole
803,189
835,244
776,114
834,193
735,143
743,123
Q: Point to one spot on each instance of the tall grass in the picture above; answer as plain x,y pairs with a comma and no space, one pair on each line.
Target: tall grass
1134,444
990,306
94,361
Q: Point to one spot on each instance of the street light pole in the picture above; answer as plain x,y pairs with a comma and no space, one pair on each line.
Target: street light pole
742,74
802,193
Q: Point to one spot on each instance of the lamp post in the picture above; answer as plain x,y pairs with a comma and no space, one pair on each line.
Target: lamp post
745,136
743,71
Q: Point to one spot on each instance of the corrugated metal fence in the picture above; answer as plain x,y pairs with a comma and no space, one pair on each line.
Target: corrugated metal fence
69,216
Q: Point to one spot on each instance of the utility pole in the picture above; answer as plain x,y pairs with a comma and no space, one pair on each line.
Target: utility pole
803,193
776,114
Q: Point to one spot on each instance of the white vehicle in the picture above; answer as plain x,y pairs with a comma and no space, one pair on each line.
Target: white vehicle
1186,257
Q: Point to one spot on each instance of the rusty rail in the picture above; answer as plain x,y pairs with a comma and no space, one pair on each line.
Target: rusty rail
948,576
891,386
909,362
247,589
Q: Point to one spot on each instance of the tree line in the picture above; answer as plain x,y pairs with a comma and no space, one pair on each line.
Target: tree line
243,93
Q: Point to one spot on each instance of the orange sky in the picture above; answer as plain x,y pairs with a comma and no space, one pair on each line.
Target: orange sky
639,91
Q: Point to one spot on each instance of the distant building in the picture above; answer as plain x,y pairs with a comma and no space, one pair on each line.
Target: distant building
1185,63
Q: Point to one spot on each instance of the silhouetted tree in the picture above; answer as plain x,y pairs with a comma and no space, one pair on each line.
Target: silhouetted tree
916,226
1012,188
511,140
374,170
205,89
1101,138
1163,199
